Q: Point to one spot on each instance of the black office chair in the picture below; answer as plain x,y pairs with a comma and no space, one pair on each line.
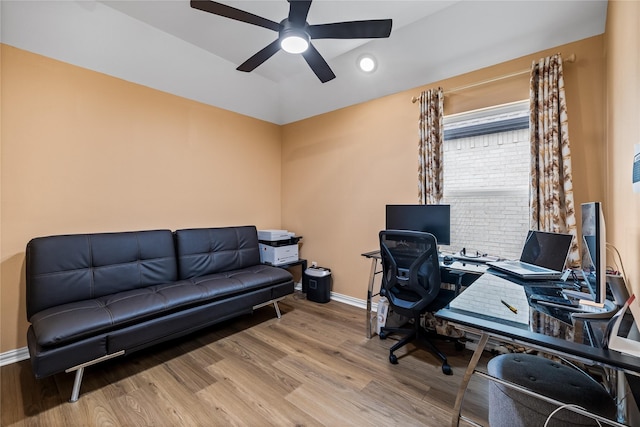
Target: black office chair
411,283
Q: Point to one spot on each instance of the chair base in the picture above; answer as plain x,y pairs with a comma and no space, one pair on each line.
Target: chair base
421,336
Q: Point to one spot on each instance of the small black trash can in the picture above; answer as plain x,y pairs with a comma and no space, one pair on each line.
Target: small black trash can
316,282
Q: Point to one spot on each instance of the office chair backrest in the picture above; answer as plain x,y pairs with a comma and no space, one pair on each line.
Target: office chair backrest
410,263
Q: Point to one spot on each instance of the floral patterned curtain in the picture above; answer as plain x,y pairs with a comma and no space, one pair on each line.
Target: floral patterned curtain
430,146
551,198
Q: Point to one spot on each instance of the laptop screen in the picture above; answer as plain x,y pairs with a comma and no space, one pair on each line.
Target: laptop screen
545,249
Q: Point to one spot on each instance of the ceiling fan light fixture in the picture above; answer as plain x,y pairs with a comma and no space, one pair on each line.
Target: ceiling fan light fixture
367,63
294,41
295,33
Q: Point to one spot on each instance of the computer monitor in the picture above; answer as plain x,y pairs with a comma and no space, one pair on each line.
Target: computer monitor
594,259
434,219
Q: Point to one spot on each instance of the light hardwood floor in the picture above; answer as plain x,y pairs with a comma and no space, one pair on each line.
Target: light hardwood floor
312,367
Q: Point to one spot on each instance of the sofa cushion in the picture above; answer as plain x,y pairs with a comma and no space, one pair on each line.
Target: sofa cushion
203,251
246,279
77,320
73,268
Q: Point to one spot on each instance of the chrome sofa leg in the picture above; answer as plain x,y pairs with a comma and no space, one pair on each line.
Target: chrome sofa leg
79,369
275,305
76,385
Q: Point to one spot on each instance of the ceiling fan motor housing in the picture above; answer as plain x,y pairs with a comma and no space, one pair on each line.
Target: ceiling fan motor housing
301,36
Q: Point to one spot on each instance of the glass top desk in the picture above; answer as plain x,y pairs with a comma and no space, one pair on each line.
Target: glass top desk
497,308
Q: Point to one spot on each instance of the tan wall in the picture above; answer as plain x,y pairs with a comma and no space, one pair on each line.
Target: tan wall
340,169
85,152
622,131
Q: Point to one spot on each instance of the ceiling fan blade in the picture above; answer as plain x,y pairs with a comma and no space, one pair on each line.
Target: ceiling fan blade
233,13
318,64
371,29
298,11
257,59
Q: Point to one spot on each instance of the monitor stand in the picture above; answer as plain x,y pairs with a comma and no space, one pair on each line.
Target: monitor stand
589,299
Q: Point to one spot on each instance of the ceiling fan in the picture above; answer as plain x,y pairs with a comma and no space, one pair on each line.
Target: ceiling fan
295,33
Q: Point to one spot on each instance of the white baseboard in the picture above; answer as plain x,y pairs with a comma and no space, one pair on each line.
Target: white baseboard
346,299
13,356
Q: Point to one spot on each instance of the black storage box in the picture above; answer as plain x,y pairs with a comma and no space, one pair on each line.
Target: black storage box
316,282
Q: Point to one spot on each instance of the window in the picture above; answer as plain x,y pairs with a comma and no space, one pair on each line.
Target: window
486,179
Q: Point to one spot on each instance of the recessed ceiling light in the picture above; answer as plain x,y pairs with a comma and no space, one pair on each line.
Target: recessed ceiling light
367,63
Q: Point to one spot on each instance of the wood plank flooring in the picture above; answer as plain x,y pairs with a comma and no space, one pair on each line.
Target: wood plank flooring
312,367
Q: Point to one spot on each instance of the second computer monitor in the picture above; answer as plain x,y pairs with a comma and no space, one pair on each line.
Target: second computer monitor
594,264
434,219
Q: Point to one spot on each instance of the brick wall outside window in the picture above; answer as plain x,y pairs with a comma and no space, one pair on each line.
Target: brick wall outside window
486,182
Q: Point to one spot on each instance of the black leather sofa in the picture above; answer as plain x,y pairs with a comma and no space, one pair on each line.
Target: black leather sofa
93,297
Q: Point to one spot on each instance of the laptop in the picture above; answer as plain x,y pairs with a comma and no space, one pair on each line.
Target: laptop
543,257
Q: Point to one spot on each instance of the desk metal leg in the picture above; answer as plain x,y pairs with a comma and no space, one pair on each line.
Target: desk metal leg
621,394
457,409
372,277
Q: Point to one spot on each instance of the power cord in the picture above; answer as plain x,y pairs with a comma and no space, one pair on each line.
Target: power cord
569,405
615,251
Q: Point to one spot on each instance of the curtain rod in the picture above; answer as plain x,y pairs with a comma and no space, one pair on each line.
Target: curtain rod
570,58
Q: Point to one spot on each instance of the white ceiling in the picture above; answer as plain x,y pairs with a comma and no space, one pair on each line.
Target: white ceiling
169,46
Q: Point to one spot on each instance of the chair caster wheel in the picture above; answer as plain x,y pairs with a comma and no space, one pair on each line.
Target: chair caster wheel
382,335
446,369
393,359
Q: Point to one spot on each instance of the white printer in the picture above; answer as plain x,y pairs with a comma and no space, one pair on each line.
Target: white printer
274,235
278,247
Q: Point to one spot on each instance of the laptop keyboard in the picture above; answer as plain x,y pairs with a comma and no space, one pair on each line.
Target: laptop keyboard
527,267
533,268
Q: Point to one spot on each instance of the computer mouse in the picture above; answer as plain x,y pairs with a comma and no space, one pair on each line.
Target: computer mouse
447,259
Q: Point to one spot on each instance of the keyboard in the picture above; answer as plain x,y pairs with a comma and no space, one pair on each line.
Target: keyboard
553,299
577,308
479,259
585,308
